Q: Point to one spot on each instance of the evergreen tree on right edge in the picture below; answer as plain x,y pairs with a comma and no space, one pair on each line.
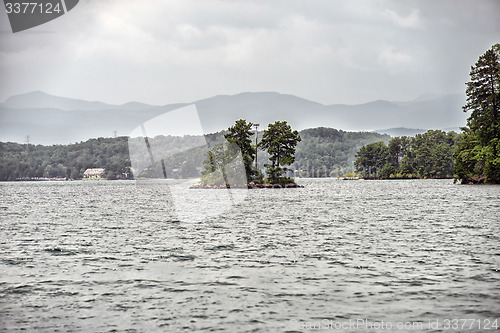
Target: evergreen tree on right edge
478,154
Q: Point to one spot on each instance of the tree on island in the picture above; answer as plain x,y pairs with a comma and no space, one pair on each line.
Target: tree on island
280,141
239,135
223,167
230,163
478,154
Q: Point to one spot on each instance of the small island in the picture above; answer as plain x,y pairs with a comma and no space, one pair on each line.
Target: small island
231,164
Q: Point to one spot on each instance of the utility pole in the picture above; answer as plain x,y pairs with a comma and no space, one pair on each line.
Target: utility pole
27,137
256,136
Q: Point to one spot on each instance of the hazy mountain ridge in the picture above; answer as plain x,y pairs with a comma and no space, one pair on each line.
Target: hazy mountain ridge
51,119
41,100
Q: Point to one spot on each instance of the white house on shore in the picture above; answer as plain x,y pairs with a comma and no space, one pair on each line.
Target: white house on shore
94,173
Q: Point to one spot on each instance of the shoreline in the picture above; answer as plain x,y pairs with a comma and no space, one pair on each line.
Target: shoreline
248,186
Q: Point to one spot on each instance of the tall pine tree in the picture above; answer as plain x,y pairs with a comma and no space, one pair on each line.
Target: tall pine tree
478,155
240,134
280,141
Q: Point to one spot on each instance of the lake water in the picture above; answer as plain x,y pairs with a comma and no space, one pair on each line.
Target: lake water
114,256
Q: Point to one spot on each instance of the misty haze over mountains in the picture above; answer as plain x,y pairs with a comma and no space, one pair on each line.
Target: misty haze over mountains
50,119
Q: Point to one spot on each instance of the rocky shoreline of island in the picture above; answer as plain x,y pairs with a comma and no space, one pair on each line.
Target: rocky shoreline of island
248,186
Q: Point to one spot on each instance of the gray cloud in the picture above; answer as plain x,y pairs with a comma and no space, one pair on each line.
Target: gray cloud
177,51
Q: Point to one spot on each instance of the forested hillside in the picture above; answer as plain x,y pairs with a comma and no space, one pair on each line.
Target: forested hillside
19,161
327,152
428,155
322,152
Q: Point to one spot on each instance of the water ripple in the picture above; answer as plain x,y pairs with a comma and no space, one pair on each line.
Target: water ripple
114,257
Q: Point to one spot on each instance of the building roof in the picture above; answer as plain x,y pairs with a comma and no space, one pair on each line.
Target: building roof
94,172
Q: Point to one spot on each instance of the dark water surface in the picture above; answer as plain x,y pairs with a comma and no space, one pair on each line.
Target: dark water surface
113,256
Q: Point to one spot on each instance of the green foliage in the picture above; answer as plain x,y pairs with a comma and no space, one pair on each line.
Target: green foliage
371,158
428,155
478,154
280,141
387,171
258,177
21,161
322,152
240,134
223,166
350,175
220,165
327,152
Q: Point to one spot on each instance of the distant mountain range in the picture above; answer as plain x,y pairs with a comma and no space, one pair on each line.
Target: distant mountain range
51,119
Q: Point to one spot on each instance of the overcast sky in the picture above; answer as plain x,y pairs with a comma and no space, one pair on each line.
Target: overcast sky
329,51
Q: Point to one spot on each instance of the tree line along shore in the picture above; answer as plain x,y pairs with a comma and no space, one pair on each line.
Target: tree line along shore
323,152
471,157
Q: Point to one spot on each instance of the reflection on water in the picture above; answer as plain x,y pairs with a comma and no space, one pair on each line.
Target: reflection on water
104,256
